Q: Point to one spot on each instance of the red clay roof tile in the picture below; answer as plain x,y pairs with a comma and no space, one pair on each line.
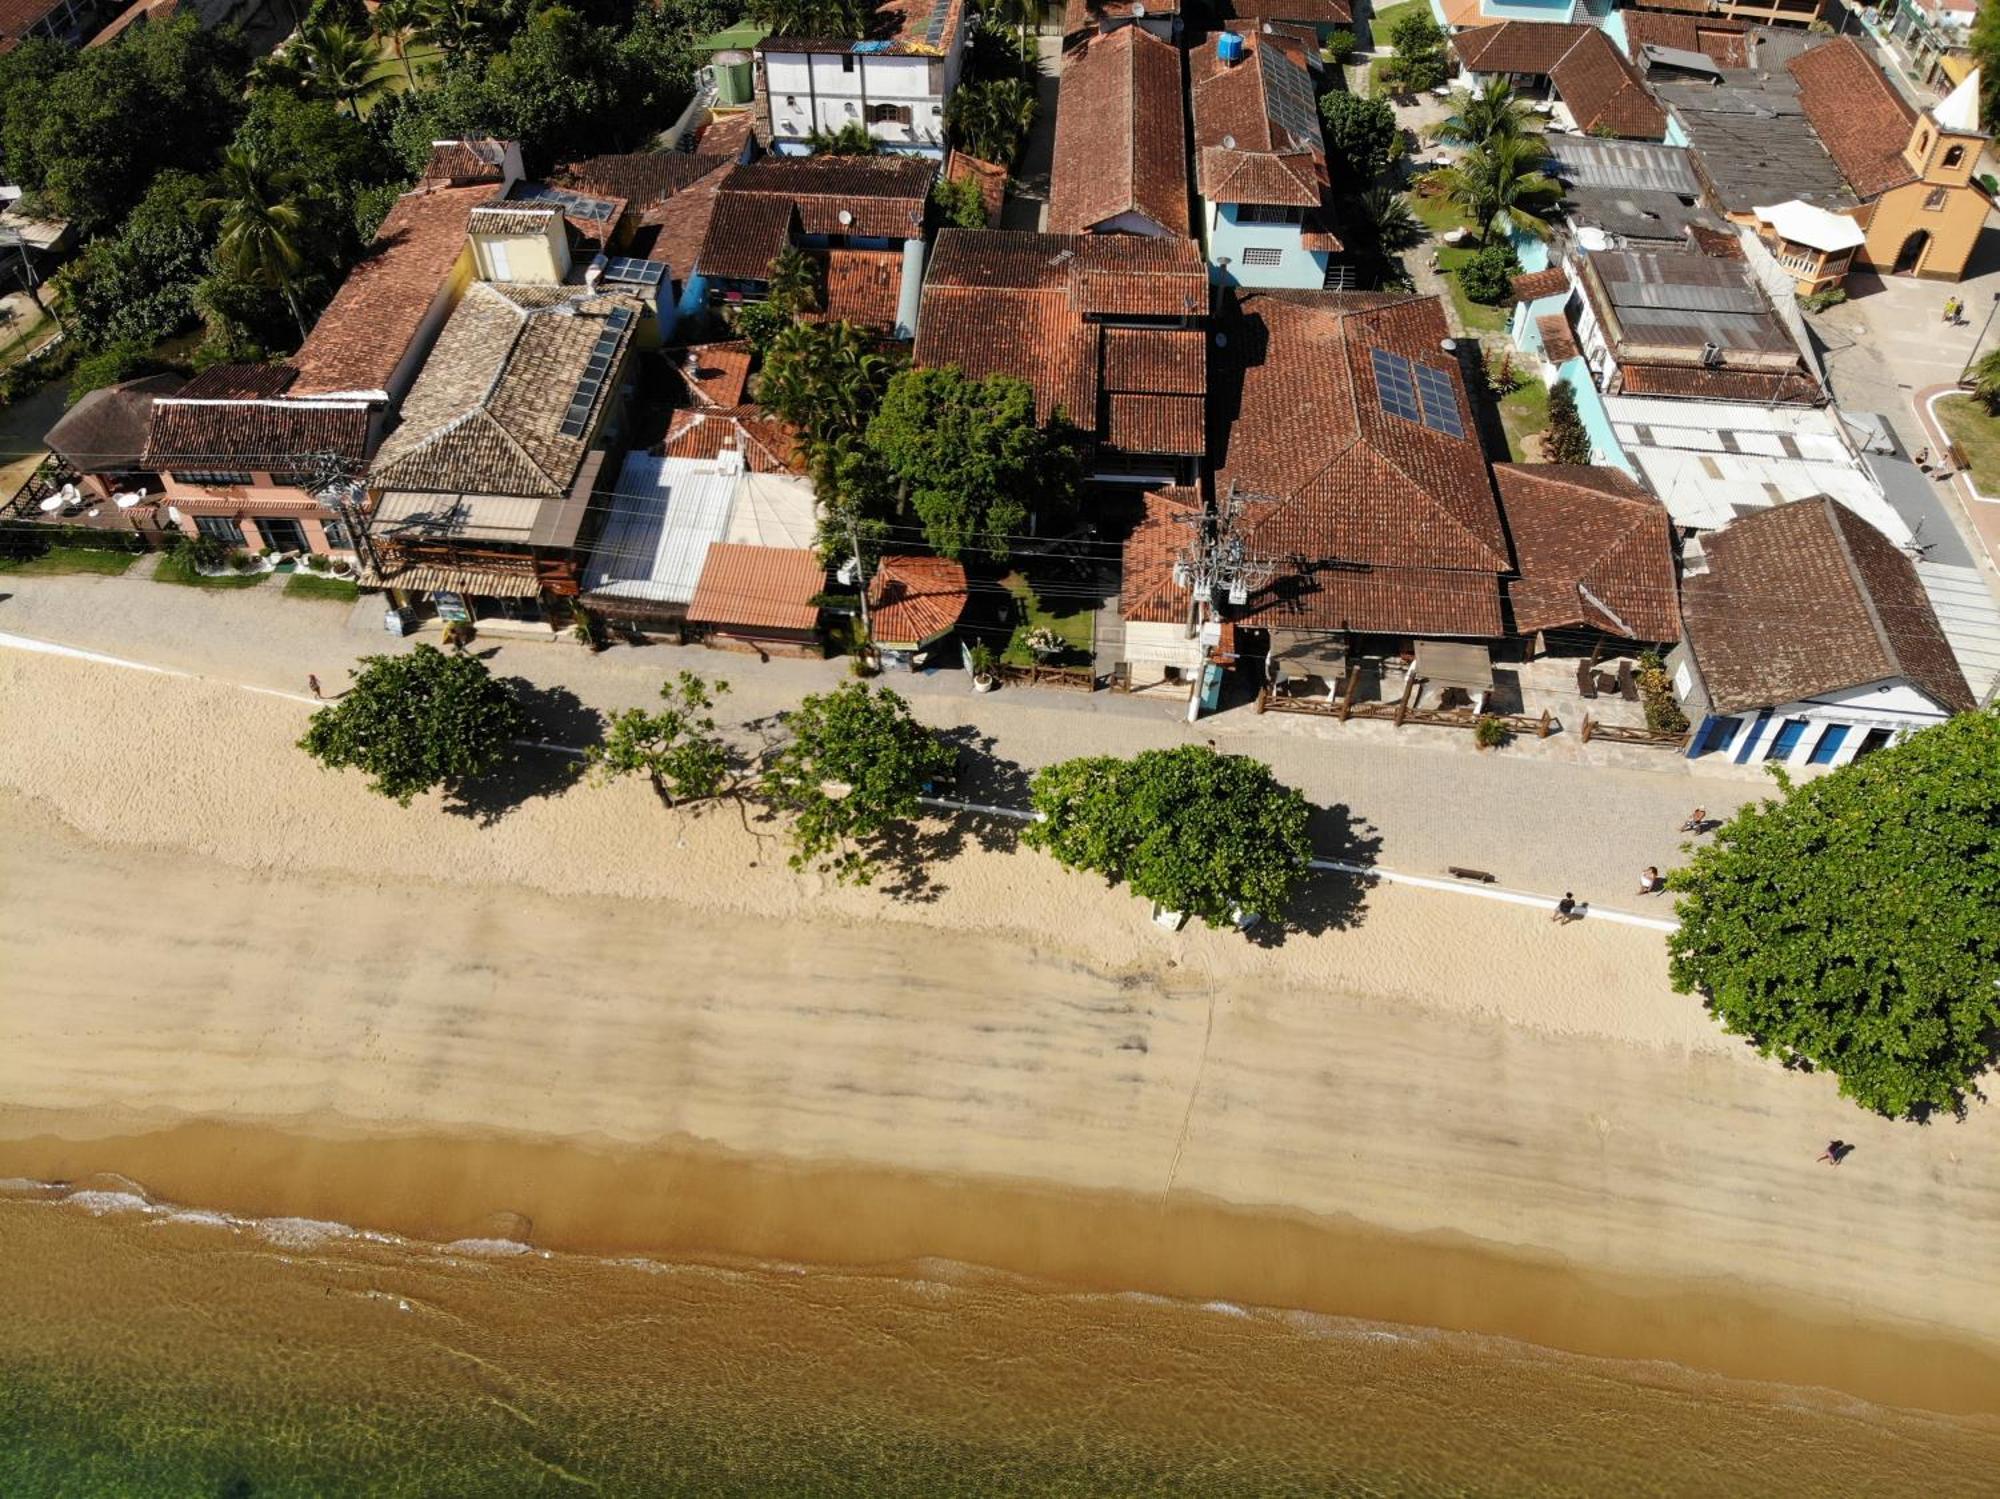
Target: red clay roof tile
1857,114
758,588
1118,146
1594,550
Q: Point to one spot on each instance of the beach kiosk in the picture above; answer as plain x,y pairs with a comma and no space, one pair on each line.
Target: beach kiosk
913,603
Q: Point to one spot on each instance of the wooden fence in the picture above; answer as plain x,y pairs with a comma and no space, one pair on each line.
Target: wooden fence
1400,713
1069,678
1613,733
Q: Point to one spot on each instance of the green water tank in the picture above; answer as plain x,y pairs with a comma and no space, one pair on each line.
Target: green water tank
734,80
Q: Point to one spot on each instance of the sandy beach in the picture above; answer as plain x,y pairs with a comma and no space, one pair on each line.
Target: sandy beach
593,1023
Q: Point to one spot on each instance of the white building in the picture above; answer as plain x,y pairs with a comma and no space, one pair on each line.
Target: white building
1808,639
895,85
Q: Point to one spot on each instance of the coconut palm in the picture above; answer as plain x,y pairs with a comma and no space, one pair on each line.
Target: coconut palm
399,23
458,26
1986,379
1499,188
825,379
794,283
260,221
1388,216
990,120
1494,112
341,63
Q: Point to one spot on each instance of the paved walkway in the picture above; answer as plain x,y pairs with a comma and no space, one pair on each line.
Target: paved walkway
1419,801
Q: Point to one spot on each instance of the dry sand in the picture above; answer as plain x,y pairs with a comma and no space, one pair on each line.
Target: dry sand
250,984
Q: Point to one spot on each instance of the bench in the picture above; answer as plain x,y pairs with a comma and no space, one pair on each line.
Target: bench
1459,872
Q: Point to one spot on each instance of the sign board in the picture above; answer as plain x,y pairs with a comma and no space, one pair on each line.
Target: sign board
451,607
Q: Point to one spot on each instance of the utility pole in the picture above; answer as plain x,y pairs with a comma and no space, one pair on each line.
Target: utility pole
860,573
1217,562
332,483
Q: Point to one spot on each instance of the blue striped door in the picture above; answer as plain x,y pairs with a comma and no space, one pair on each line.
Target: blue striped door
1786,740
1829,744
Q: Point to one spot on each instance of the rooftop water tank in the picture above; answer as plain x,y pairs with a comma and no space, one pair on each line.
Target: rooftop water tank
734,83
1229,47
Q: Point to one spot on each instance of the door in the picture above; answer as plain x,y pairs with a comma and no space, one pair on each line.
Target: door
1790,732
1716,736
1830,741
281,533
1911,256
1876,739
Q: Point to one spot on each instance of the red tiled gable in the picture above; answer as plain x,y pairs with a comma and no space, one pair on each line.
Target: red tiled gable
1167,361
1605,92
1147,593
1244,153
862,286
1155,424
1857,114
913,600
1594,549
1308,12
641,178
1517,46
680,225
464,163
259,435
1537,284
753,588
1688,382
1132,275
1118,135
714,374
365,332
757,205
1723,42
1557,339
238,382
991,177
1346,486
768,445
1336,596
1807,598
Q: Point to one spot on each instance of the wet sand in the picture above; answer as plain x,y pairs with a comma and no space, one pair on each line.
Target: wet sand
247,985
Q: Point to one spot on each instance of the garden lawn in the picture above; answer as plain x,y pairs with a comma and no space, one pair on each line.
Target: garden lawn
1073,620
1976,431
309,585
175,568
69,560
1524,414
1384,19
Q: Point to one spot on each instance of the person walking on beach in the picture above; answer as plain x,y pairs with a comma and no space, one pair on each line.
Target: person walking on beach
1649,880
1565,909
313,682
1835,1152
1697,820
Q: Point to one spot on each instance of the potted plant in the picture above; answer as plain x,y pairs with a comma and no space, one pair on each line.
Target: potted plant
1490,731
1045,643
584,627
984,676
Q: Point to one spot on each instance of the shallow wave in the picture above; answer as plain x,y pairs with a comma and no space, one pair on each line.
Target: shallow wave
494,1248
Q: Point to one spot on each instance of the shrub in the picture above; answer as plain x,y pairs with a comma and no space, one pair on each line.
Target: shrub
1490,732
1488,277
1358,135
1565,441
1656,690
1338,44
1819,301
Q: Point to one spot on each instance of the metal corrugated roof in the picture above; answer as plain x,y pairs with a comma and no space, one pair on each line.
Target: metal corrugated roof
664,515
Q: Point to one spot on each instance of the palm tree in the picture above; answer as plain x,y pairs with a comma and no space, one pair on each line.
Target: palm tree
260,225
794,285
828,18
399,23
1986,379
457,26
990,120
1389,217
341,63
1495,112
1500,188
825,379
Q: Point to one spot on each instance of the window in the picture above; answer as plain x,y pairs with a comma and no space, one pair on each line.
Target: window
213,480
889,114
1954,156
1829,744
497,267
1262,256
337,538
847,62
281,533
1786,740
1717,736
219,528
1265,213
1924,143
1935,199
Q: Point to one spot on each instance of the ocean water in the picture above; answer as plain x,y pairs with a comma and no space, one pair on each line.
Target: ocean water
151,1351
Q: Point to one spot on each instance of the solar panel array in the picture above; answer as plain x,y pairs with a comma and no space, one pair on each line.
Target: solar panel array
934,33
595,372
1417,393
576,205
1288,96
632,272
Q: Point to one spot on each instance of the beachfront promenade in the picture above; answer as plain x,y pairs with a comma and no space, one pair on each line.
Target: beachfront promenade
1421,800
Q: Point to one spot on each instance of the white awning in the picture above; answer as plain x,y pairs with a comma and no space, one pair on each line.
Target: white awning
1803,224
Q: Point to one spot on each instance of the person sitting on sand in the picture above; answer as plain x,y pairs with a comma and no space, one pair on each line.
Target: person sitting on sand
1565,909
1697,820
1649,880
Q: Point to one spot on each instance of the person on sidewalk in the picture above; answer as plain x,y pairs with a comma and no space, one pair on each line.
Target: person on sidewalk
1697,820
1565,909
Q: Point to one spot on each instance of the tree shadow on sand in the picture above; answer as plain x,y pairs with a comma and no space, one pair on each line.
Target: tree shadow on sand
1328,901
556,716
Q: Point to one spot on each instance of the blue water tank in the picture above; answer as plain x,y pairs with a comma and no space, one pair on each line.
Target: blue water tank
1229,47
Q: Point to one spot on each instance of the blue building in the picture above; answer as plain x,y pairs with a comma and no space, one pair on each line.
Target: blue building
1260,165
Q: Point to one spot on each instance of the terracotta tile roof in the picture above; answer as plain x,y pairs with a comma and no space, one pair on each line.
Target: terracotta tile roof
105,432
768,446
1593,548
507,219
718,375
863,287
1352,489
1310,12
1147,593
1167,361
1090,15
1246,149
362,337
1857,114
1556,336
1000,302
486,415
1724,42
262,435
1155,424
1379,601
224,382
463,163
595,218
19,17
1807,598
1118,147
680,225
1790,388
1537,284
757,206
912,600
1693,7
641,178
753,587
1517,46
992,179
1605,92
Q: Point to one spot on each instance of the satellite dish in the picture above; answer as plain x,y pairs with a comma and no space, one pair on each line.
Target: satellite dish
142,491
174,514
1138,12
849,572
1229,143
845,217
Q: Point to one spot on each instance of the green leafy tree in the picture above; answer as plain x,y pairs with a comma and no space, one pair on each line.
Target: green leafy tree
815,18
260,225
461,28
991,120
970,457
1565,441
560,88
1358,134
137,287
758,324
1984,44
1500,188
677,748
1480,117
1853,923
849,776
418,722
960,203
794,284
1420,56
851,139
1188,829
1488,277
1338,45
